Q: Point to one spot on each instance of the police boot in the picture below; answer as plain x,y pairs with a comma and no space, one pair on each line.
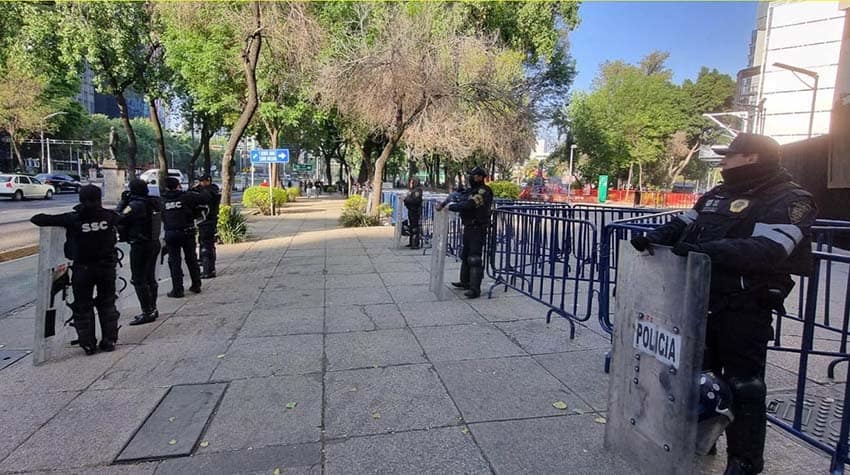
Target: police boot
146,300
415,239
84,324
176,293
476,275
108,316
746,434
464,276
195,274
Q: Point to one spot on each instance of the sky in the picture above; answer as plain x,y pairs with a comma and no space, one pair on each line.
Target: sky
696,34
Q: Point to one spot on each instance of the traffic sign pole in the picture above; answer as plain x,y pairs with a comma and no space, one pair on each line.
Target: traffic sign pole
271,190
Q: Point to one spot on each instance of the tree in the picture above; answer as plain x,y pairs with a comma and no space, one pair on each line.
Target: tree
214,48
21,106
111,39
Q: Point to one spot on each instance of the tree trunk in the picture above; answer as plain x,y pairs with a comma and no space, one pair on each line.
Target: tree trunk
674,170
640,176
17,152
132,145
328,174
250,54
375,197
197,152
365,165
274,177
207,153
436,181
160,143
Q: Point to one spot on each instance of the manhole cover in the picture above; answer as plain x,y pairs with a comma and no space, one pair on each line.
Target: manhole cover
821,414
173,428
7,357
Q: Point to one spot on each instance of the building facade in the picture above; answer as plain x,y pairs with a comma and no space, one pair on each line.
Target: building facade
791,42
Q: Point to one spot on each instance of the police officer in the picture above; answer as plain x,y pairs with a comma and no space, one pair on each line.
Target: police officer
179,209
755,227
207,228
413,203
140,225
90,244
474,208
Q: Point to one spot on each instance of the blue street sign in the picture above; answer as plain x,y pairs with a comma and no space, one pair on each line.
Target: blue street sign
263,155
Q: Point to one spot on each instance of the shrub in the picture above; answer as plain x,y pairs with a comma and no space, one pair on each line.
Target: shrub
232,226
258,197
354,213
330,189
293,192
504,189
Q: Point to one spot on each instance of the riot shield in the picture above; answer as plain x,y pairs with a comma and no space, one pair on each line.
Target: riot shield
52,336
659,338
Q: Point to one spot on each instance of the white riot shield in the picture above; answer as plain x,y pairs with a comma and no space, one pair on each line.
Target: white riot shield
52,337
659,338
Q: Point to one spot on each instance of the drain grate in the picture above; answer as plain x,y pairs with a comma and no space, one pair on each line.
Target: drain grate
8,357
821,414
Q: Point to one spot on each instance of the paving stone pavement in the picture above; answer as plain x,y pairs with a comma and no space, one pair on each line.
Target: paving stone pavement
337,359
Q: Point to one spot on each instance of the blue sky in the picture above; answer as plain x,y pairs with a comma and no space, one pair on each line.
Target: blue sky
696,34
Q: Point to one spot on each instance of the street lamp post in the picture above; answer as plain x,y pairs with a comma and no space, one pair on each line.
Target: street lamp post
814,87
43,119
572,178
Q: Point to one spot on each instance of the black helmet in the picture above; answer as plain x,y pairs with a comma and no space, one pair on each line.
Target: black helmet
715,410
138,187
90,194
478,171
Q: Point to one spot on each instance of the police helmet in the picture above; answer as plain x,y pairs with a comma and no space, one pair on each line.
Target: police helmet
714,410
478,171
138,187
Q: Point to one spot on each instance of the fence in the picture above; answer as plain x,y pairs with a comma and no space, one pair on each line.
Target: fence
544,254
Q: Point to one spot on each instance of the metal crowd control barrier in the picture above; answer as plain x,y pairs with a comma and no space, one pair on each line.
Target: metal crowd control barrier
544,254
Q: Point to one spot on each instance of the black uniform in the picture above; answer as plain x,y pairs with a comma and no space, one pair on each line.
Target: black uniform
179,209
90,244
756,233
474,209
140,225
207,228
413,203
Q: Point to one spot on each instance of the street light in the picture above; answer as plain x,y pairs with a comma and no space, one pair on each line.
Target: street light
43,119
572,178
814,87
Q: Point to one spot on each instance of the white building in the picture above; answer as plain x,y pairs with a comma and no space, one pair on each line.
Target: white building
802,35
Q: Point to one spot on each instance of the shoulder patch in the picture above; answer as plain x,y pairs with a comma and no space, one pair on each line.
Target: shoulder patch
798,210
739,205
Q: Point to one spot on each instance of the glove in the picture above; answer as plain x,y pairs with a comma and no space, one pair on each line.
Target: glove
683,248
641,243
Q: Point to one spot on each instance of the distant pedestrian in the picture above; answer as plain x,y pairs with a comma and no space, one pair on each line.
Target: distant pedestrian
413,203
207,228
91,235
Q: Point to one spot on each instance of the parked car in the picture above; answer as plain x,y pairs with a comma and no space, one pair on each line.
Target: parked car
19,187
60,182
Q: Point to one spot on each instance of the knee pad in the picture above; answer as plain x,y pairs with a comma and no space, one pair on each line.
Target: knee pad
475,261
748,390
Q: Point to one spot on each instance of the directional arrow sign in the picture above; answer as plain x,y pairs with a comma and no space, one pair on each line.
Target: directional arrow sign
262,155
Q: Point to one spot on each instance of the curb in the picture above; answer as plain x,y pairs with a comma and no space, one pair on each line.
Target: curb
18,253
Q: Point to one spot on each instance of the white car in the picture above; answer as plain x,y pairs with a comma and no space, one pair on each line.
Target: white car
151,177
19,187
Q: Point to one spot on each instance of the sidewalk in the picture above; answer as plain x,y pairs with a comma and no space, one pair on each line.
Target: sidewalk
336,359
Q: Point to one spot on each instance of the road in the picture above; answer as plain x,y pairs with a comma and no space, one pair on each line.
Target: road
15,227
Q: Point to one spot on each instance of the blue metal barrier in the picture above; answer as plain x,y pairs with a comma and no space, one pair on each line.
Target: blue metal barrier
535,252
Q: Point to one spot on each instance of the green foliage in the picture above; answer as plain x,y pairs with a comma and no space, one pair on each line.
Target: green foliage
293,193
232,225
354,213
504,189
258,197
637,118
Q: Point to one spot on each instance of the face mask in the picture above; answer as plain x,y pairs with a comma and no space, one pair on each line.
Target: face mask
748,173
